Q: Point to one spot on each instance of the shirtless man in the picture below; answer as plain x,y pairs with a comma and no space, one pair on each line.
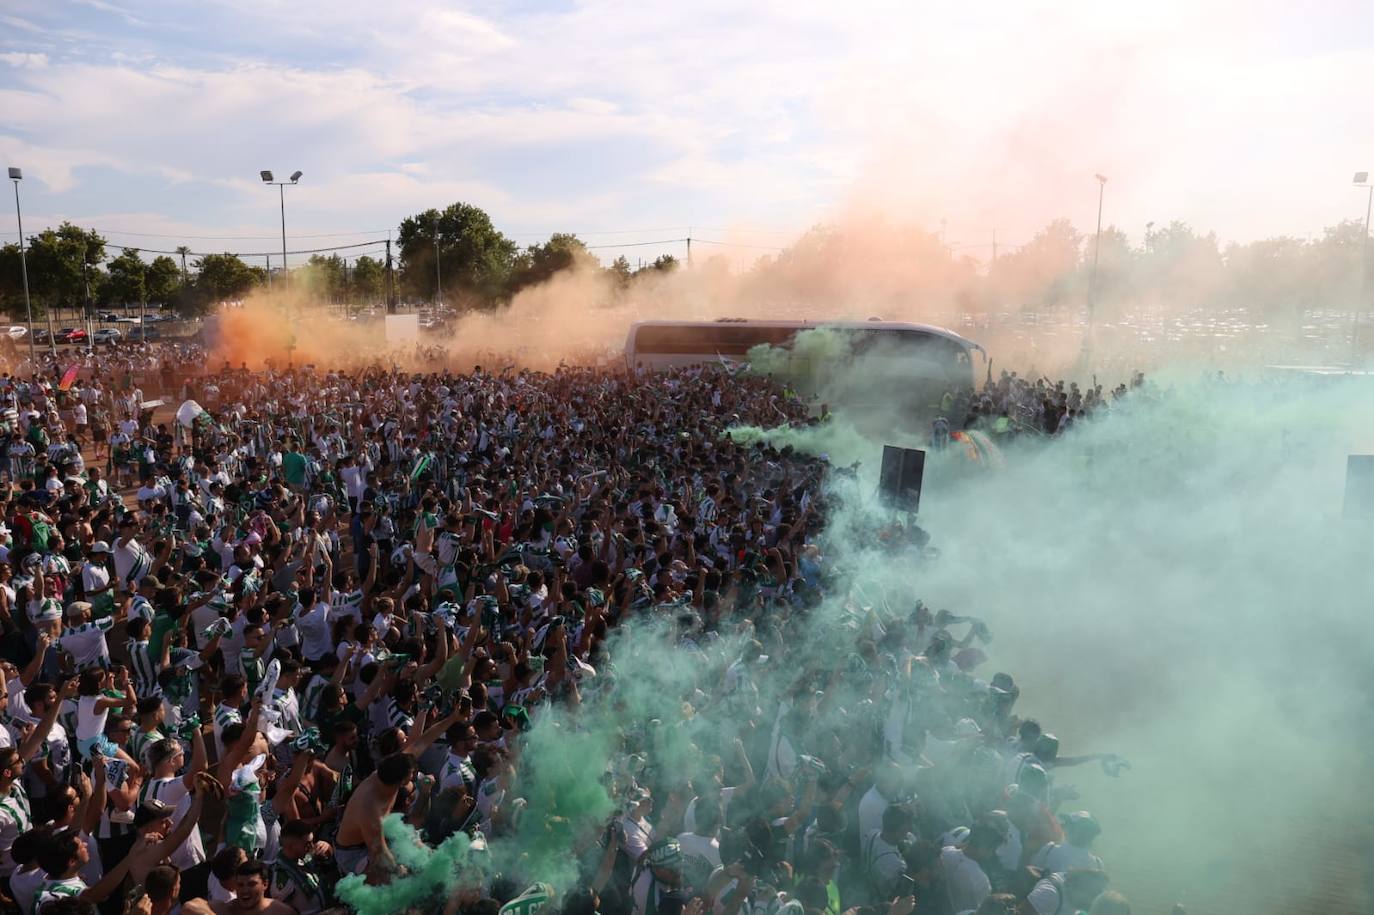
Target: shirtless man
361,845
250,896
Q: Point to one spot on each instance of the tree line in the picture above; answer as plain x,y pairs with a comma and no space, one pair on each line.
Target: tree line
457,255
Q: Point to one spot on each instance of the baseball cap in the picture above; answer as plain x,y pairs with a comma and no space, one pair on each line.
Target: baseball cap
100,546
150,811
664,854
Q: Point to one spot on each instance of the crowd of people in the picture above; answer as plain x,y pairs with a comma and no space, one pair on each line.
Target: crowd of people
255,650
1014,405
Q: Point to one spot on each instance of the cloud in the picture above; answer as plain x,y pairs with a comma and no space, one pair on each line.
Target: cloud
24,59
993,116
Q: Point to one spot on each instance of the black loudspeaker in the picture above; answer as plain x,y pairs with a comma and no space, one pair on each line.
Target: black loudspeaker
1359,486
899,481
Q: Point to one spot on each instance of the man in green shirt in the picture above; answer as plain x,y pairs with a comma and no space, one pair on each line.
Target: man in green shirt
293,465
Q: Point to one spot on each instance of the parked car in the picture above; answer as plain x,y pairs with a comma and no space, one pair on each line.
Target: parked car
40,335
146,332
72,335
18,332
108,316
106,335
126,320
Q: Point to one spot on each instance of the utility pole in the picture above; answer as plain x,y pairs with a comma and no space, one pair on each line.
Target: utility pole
269,270
1097,250
1362,180
281,192
16,175
994,248
689,247
390,286
438,280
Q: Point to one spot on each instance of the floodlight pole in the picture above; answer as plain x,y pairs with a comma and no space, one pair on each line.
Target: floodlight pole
1097,250
15,176
281,192
438,278
1364,275
1362,180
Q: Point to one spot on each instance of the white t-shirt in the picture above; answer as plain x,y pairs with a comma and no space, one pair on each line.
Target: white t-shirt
639,834
701,848
24,887
172,791
881,859
871,808
965,882
313,625
89,722
94,577
689,817
1046,898
1055,858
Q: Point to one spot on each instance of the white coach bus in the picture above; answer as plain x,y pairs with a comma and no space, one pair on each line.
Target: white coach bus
913,363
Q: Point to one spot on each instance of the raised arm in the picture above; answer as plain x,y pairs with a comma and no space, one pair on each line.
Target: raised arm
28,747
35,666
183,830
234,755
418,746
430,670
199,762
284,801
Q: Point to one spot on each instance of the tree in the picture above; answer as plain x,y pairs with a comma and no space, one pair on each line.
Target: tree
620,271
1044,272
127,284
474,258
538,263
325,277
59,262
368,280
1115,265
12,282
162,280
225,276
664,263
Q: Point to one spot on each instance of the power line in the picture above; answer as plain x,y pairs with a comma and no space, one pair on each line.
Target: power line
228,237
607,231
737,244
640,244
363,244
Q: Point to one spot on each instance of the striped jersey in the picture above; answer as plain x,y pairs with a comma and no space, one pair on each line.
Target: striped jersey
144,667
310,706
707,510
457,770
86,643
52,890
140,607
16,816
139,742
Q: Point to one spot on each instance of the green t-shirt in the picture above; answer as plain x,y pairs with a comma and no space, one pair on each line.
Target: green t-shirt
293,468
157,633
451,674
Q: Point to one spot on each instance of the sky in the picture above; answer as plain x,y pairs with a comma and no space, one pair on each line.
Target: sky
645,122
